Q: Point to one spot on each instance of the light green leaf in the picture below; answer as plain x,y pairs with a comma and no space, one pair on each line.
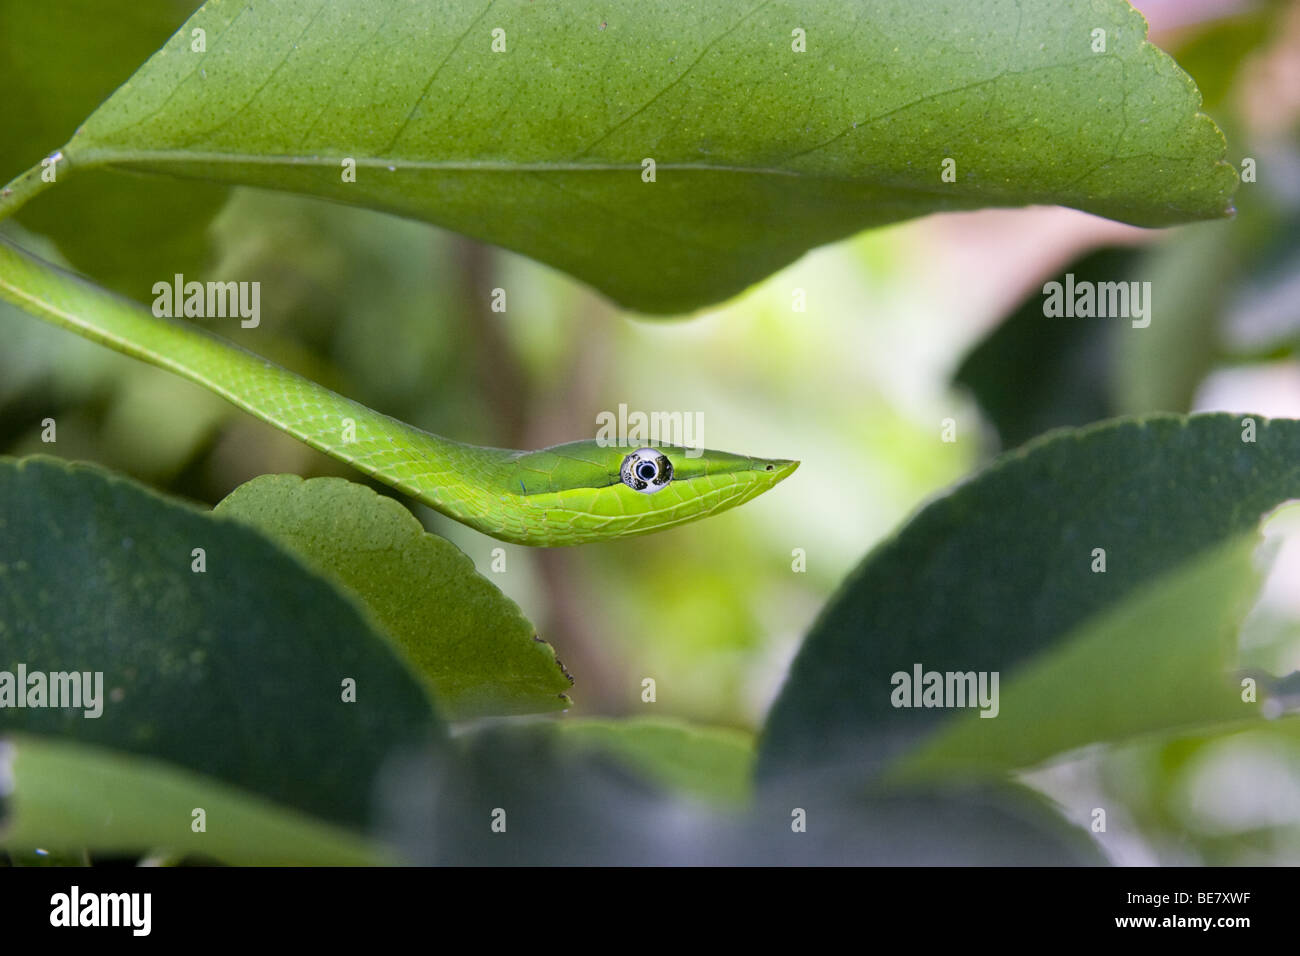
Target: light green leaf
760,150
473,644
69,795
712,763
231,671
1000,570
1158,661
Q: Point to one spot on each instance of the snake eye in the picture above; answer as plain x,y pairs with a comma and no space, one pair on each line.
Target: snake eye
646,470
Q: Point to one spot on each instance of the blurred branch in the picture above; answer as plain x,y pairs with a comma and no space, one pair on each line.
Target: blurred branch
500,375
507,390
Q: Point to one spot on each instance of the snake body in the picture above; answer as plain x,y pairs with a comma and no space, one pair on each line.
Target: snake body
566,494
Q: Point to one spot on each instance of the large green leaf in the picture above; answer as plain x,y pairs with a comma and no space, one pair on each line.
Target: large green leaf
474,645
234,674
761,151
1001,569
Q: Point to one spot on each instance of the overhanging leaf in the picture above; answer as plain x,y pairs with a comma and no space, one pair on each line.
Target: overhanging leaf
772,126
234,673
1000,569
470,641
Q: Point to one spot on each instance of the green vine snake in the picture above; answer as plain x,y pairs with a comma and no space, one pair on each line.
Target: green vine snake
567,494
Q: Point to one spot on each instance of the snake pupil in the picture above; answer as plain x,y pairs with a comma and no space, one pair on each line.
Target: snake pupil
646,470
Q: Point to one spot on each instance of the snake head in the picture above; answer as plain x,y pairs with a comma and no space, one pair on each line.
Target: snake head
589,491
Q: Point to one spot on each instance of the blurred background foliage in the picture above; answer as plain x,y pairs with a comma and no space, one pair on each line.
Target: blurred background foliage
904,327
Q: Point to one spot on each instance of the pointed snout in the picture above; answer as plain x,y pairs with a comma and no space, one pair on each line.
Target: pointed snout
777,468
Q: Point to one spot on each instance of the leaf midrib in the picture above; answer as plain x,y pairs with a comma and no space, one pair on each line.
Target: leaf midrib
99,157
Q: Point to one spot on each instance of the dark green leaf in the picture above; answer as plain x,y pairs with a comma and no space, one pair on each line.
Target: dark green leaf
1034,373
234,673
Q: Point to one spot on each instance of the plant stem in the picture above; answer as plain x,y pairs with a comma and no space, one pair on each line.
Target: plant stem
22,188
